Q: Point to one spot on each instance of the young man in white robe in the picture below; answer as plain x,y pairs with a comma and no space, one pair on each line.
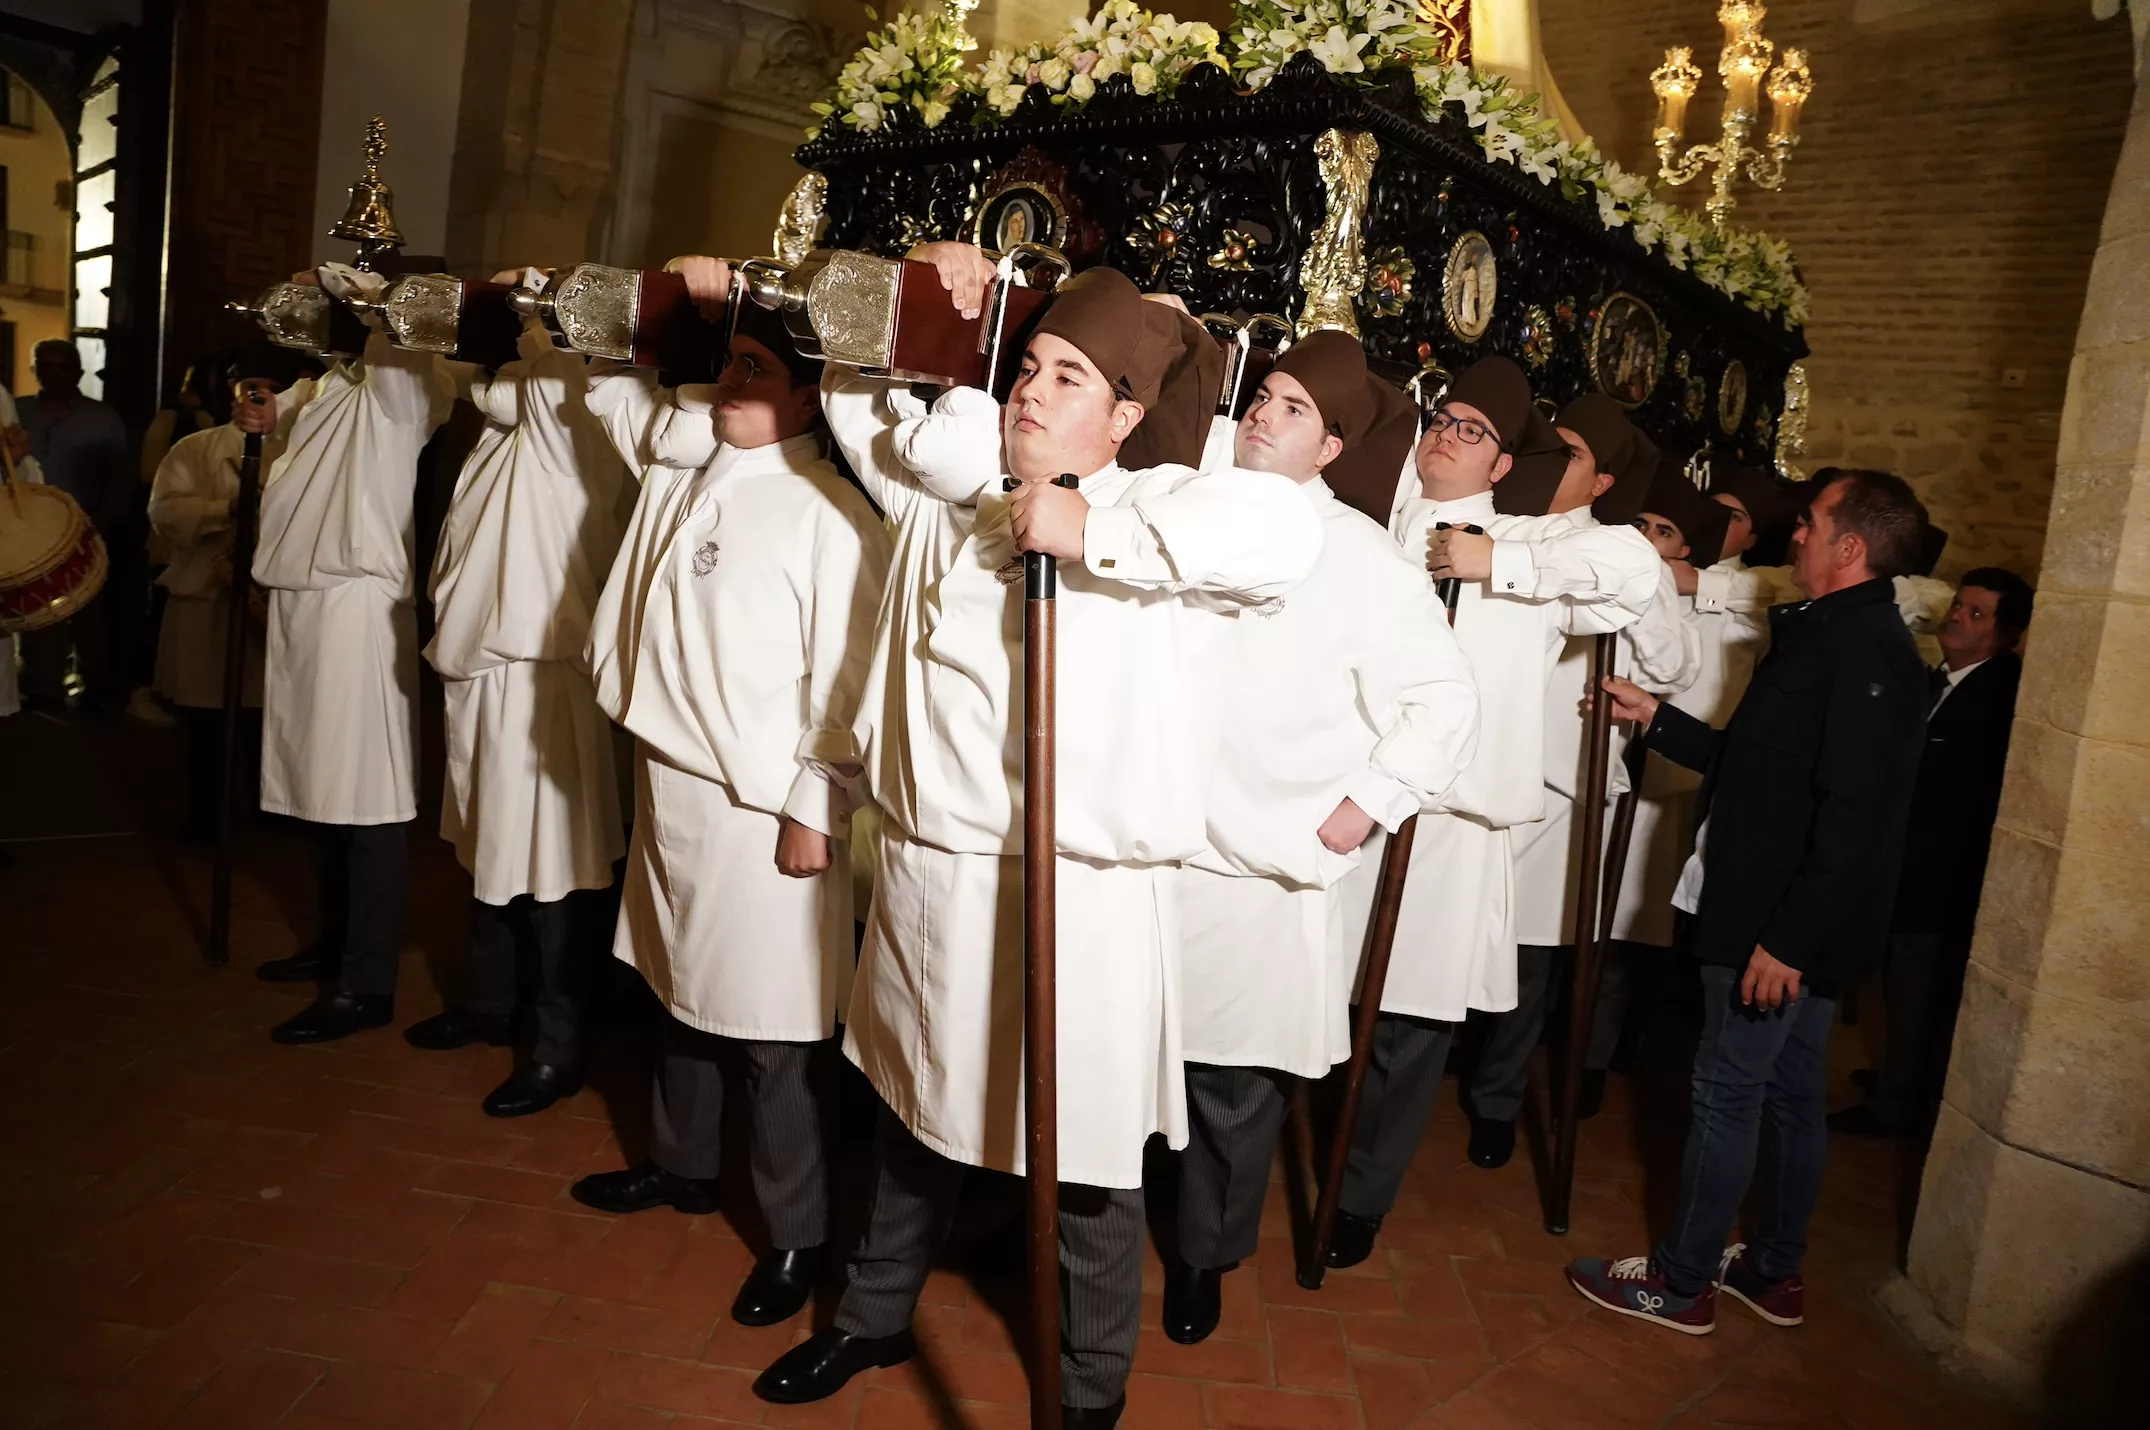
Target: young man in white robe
339,714
190,510
1117,391
731,640
531,798
1349,708
1609,471
1526,583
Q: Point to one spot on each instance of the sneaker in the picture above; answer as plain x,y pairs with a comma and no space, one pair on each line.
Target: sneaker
1781,1303
1634,1286
143,708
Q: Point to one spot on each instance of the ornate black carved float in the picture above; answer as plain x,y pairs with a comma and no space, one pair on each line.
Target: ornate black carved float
1159,189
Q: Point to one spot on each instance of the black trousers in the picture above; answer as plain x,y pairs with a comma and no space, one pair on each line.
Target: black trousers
1543,977
1403,1079
541,945
364,874
1922,985
1234,1115
786,1086
205,766
913,1203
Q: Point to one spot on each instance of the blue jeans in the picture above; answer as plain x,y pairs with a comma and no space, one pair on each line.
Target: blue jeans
1750,1061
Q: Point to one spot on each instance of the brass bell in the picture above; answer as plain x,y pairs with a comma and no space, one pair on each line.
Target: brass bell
369,220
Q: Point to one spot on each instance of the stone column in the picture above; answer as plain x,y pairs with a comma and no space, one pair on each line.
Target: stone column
2030,1258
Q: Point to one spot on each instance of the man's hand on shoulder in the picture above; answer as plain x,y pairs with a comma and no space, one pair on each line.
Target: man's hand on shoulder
1050,519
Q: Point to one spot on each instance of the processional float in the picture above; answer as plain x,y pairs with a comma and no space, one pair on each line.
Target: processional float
1360,202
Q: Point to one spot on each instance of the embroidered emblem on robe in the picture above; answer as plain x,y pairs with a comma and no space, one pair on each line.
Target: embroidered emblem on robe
705,558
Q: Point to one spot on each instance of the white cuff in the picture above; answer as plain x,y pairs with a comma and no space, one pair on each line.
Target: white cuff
1386,801
817,803
1515,570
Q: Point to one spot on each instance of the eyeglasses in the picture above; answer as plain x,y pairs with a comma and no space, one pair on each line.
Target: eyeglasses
1468,429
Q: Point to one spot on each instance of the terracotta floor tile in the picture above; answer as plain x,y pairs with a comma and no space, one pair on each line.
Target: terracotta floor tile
447,1279
163,1295
1419,1340
254,1389
702,1277
226,1323
547,1388
889,1409
64,1348
1242,1362
659,1384
495,1333
604,1415
1394,1392
498,1184
333,1280
1159,1402
391,1395
1246,1407
1307,1349
356,1333
621,1327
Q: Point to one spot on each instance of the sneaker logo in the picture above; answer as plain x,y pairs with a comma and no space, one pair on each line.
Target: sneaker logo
1644,1301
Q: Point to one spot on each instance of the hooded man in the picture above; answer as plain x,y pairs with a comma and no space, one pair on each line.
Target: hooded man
1116,391
190,504
339,715
1350,708
1607,478
731,639
1526,583
531,802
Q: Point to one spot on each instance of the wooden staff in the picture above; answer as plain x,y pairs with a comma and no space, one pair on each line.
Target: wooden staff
244,512
1388,908
1583,995
1041,1108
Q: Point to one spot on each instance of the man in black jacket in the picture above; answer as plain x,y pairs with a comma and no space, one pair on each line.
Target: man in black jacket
1802,808
1972,708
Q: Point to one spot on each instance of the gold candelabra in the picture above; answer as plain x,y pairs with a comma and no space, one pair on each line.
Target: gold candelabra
1744,65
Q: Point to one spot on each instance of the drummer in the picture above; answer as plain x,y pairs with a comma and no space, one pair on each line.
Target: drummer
190,502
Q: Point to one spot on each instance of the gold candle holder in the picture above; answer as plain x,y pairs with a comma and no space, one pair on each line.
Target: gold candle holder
1789,85
1674,82
1744,65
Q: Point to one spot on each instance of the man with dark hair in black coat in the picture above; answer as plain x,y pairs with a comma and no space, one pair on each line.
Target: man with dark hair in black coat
1972,707
1802,808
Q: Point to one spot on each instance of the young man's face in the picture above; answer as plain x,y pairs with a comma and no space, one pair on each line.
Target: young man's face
1283,432
1663,534
1062,415
1582,483
756,403
1971,631
1739,531
1460,455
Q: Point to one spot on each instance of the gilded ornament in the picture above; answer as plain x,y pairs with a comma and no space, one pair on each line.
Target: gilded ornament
369,219
1694,397
1564,313
1732,397
1537,336
1236,254
798,222
1451,21
1469,286
1792,426
1158,233
1335,266
1627,349
1389,272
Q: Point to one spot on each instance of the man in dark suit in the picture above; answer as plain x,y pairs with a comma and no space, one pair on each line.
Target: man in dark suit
1802,810
1953,808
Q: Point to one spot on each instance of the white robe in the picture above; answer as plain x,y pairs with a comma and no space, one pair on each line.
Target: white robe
1551,578
531,798
26,470
340,695
1354,689
937,1022
190,512
731,640
1660,652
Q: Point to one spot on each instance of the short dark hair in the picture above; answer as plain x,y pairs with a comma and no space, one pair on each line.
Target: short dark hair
1881,510
2013,612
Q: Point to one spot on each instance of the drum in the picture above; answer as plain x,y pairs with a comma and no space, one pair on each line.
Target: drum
51,559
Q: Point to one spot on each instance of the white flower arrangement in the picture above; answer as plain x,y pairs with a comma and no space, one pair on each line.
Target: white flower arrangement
916,61
1153,51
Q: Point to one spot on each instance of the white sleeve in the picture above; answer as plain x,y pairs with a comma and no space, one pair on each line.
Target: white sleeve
954,449
1745,589
178,510
863,413
848,565
1243,537
410,387
1666,648
1220,447
624,401
1922,602
1415,683
683,432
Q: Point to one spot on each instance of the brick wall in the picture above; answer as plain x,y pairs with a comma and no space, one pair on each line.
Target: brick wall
1944,205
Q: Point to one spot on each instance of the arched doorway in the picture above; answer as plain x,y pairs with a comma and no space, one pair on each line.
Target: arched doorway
37,212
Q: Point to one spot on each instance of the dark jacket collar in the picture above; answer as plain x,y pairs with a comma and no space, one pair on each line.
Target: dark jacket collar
1837,603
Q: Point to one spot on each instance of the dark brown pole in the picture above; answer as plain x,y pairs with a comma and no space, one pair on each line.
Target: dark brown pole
1582,1001
1388,908
1041,1111
243,513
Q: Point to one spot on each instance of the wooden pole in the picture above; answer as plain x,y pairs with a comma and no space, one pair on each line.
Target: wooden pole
1388,908
1041,1120
244,512
1582,1001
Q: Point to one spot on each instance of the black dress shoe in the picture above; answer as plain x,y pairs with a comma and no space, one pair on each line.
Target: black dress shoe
1492,1142
454,1028
779,1285
819,1366
336,1015
1593,1093
532,1087
640,1188
1353,1239
308,965
1861,1121
1097,1417
1194,1299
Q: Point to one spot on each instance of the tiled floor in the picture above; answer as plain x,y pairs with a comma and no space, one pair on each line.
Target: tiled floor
201,1229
